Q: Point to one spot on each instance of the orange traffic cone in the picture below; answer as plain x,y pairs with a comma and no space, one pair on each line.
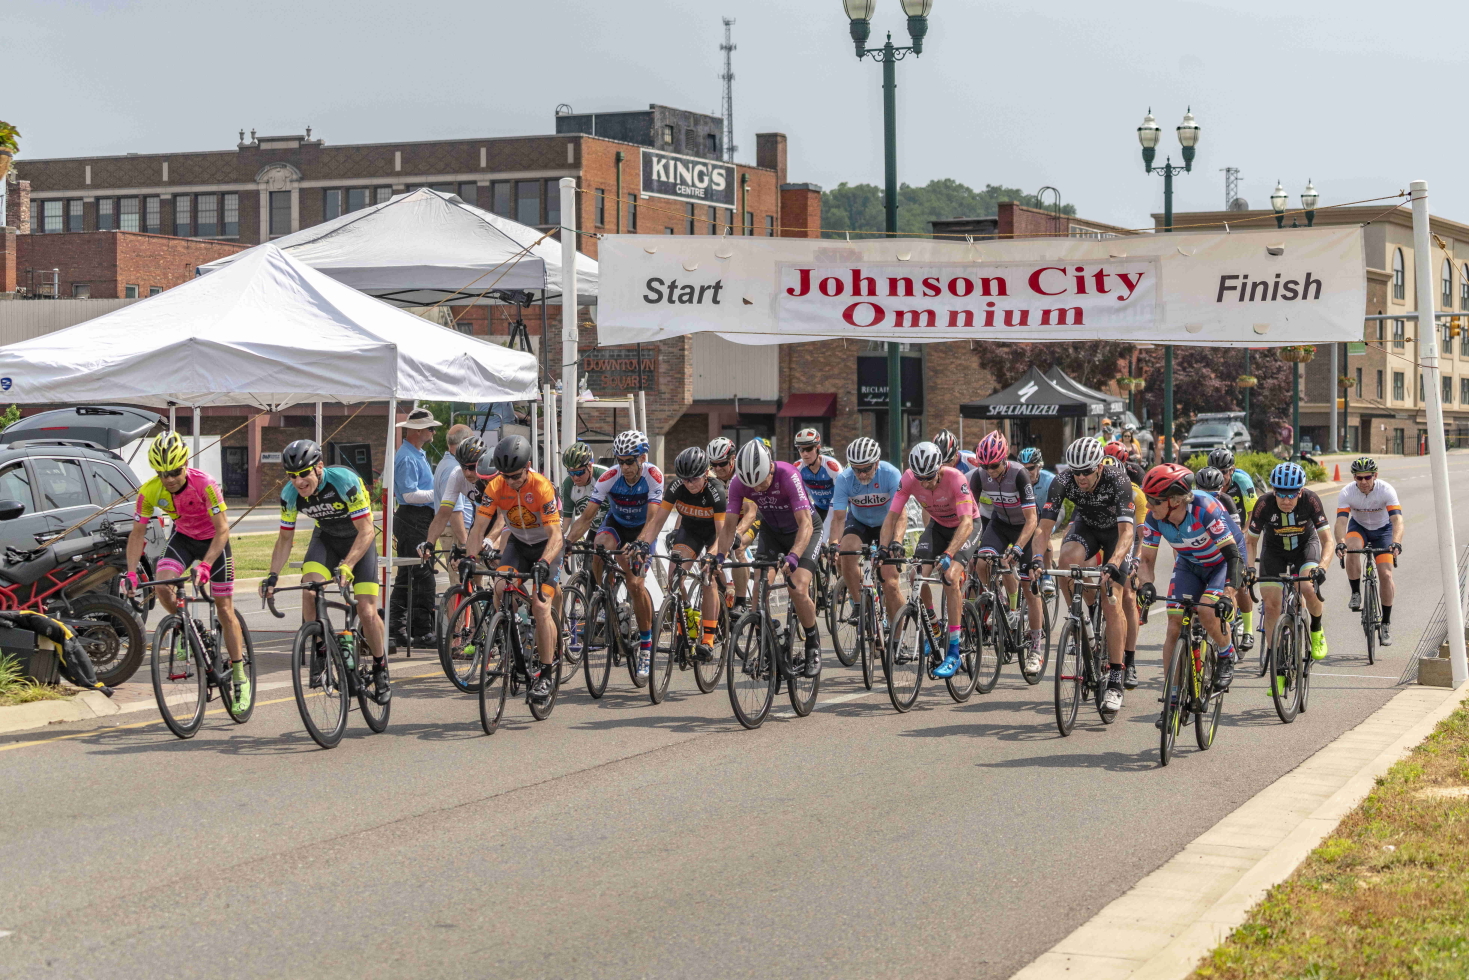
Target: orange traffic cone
1336,474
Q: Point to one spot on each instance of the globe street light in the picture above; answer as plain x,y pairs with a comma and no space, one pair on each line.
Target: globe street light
859,13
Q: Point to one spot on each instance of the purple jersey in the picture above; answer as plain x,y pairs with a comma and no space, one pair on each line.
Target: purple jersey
778,502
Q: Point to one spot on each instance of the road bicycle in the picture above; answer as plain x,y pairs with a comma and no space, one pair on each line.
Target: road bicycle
330,666
919,641
455,619
1288,660
609,634
191,662
1189,687
842,610
761,655
509,663
859,627
678,629
1371,594
1082,661
1004,631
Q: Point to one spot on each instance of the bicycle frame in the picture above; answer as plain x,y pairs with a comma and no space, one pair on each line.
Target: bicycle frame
217,658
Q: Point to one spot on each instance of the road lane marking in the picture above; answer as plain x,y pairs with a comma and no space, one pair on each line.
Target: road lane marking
1327,673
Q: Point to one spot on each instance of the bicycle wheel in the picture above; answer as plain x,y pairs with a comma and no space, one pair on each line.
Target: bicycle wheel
752,675
110,633
320,682
247,656
706,675
1206,721
987,643
869,645
494,670
572,628
179,683
1285,665
458,653
1303,660
841,623
669,628
961,685
801,689
599,634
375,707
1371,612
631,641
1175,690
1070,677
905,660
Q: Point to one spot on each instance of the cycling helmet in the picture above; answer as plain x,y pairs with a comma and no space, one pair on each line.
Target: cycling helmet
629,443
300,456
808,437
992,449
1209,478
1129,428
1167,480
925,460
1084,454
469,451
720,451
1287,476
753,465
1221,458
485,467
1364,464
512,454
1109,460
947,443
691,464
1031,456
863,451
1116,450
168,452
576,456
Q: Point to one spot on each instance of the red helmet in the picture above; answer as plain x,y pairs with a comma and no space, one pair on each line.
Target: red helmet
992,449
1118,450
1167,479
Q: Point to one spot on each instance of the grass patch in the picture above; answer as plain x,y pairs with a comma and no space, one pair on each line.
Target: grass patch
252,553
1384,897
16,689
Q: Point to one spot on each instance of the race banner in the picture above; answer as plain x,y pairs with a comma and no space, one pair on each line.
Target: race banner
1252,288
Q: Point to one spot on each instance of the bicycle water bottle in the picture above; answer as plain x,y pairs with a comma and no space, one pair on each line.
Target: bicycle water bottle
348,644
691,618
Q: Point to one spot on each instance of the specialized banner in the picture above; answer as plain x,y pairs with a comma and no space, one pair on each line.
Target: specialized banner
1246,288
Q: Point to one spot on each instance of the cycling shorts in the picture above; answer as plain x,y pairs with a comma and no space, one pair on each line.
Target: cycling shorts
1278,561
696,536
1370,537
1199,581
624,533
1097,541
997,536
773,545
936,540
182,551
325,553
865,533
522,558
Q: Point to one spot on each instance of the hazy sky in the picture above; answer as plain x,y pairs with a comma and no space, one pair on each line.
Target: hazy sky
1019,94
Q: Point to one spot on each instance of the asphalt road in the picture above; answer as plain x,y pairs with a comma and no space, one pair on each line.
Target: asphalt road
622,839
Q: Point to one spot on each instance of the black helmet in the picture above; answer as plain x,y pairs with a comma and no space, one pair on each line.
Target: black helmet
512,454
485,468
469,451
947,443
1221,458
300,456
691,464
1210,478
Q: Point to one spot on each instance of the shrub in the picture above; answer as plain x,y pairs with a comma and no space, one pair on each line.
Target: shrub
1259,465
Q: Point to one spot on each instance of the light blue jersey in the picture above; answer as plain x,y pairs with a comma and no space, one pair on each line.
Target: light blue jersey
866,503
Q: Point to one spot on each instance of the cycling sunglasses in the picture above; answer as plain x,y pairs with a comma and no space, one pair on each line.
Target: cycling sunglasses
170,474
579,472
1089,472
864,470
514,476
295,474
1160,501
1365,476
814,449
627,460
1287,494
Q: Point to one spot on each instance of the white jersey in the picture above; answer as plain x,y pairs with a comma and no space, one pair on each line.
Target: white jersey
1371,510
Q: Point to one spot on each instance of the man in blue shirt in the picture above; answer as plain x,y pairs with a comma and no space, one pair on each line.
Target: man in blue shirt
413,488
859,505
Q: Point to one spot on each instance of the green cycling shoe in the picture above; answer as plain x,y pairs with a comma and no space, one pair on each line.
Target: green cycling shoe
1318,645
243,693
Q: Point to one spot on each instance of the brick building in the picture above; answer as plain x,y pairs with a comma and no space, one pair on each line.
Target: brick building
1013,220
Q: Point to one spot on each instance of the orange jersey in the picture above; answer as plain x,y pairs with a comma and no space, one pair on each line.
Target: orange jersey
530,511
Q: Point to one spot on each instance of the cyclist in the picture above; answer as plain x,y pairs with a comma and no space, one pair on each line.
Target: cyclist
464,481
343,545
700,500
1368,515
946,498
532,542
582,474
192,499
961,459
628,490
1011,528
1237,483
1034,462
1206,561
1292,521
1211,479
721,453
860,502
1130,610
786,531
1102,529
818,472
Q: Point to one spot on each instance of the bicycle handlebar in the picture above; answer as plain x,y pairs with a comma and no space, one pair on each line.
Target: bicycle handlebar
317,587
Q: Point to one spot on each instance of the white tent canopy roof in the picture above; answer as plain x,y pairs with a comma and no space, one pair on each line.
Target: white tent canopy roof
264,330
427,246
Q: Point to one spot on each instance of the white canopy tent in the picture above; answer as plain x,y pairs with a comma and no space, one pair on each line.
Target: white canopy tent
267,331
426,247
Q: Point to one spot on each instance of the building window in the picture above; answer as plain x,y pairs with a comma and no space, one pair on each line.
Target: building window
106,214
154,290
500,198
357,199
1464,287
1399,276
689,222
553,202
1379,386
601,206
128,218
469,194
130,292
1397,386
183,215
711,146
384,195
1421,396
770,226
331,204
1448,340
1358,388
1464,391
231,216
668,136
51,219
280,212
83,290
73,215
206,215
1448,390
528,202
667,230
729,228
690,142
1399,332
749,228
1446,288
632,212
713,220
153,215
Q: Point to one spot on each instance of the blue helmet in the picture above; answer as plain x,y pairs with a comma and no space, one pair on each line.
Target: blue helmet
1029,455
1287,476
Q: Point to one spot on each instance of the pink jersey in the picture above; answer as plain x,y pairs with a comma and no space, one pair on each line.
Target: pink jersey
946,503
192,508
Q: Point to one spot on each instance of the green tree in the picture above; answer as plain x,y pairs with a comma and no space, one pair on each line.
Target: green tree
858,208
9,417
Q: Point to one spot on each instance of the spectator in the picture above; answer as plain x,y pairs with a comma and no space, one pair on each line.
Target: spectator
413,486
454,533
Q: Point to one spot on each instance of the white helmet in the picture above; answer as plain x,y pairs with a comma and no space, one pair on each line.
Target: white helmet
753,464
863,451
925,460
1084,454
630,443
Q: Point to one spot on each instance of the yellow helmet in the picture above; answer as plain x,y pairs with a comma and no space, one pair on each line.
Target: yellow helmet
168,452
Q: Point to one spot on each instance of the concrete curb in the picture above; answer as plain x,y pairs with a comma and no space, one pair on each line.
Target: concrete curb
38,714
1171,919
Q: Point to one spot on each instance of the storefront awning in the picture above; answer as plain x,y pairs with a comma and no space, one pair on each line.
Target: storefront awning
809,405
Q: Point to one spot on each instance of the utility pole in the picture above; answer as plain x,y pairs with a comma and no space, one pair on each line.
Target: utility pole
1231,187
728,79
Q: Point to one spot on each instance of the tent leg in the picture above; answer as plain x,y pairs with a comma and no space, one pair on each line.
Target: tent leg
535,433
196,436
172,418
388,549
318,423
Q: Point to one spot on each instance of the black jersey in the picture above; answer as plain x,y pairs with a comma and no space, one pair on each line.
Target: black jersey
699,510
1105,505
1288,532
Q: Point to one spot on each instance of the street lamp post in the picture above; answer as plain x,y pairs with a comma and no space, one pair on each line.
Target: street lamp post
1278,201
1148,135
860,12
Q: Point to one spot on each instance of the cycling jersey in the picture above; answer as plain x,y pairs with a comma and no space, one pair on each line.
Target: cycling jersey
1108,503
627,503
339,502
821,484
1199,537
192,509
1241,489
947,503
529,511
777,503
700,511
575,499
1371,510
866,503
1010,497
1042,480
965,463
1289,532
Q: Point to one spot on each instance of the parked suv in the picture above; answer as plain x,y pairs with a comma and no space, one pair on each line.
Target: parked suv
1213,430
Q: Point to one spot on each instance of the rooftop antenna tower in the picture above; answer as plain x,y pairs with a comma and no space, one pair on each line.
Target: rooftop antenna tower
728,79
1231,188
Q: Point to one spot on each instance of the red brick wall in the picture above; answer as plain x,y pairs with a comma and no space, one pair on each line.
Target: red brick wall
110,260
18,206
800,212
9,260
